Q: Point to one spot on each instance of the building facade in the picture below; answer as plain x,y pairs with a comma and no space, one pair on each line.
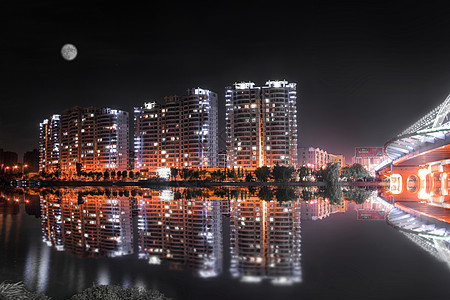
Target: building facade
94,138
316,158
49,144
261,124
368,157
180,133
31,161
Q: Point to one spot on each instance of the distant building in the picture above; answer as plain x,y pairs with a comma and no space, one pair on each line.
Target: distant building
180,133
369,157
316,158
5,162
261,124
96,138
31,161
340,159
8,158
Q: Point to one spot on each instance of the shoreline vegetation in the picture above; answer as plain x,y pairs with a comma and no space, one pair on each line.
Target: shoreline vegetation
18,291
197,183
354,175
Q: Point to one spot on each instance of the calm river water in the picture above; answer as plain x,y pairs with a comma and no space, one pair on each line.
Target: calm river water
215,244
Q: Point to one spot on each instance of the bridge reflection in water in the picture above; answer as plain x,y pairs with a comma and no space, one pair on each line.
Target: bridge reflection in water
432,237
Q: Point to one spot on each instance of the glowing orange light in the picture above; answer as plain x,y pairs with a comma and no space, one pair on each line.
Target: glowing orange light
396,183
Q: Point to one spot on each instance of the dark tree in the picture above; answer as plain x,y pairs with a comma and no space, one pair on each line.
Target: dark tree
249,177
357,195
78,168
174,173
265,193
282,173
262,173
285,194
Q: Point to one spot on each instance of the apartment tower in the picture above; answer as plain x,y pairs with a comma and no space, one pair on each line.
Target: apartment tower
49,144
180,133
96,138
261,124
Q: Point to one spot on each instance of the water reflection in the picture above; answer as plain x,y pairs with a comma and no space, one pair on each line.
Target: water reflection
97,226
181,228
265,240
185,232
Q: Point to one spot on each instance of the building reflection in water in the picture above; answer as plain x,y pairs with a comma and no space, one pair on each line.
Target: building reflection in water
182,227
265,240
98,225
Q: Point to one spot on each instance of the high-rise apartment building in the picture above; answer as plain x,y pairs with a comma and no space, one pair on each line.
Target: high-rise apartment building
261,124
180,133
96,138
49,144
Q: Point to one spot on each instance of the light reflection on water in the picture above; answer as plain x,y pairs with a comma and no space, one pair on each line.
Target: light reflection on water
181,229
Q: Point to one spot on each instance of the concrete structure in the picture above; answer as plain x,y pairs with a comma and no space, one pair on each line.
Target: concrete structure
181,133
96,138
49,144
261,124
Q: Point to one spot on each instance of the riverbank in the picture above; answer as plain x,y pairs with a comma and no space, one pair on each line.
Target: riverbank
190,183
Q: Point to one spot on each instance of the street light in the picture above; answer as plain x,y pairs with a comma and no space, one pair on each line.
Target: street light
24,166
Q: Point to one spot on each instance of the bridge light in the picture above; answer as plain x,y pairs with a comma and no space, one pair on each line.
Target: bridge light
396,184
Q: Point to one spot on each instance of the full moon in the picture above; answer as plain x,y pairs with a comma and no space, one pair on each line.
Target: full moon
69,52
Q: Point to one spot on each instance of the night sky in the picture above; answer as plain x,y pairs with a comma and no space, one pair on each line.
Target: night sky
365,70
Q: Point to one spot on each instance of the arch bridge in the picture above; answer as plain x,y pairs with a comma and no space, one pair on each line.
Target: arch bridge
419,157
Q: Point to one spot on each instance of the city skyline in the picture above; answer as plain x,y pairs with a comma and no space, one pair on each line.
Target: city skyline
355,63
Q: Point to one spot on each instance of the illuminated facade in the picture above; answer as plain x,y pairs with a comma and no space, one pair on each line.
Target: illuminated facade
97,138
181,133
184,232
265,240
49,144
261,124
